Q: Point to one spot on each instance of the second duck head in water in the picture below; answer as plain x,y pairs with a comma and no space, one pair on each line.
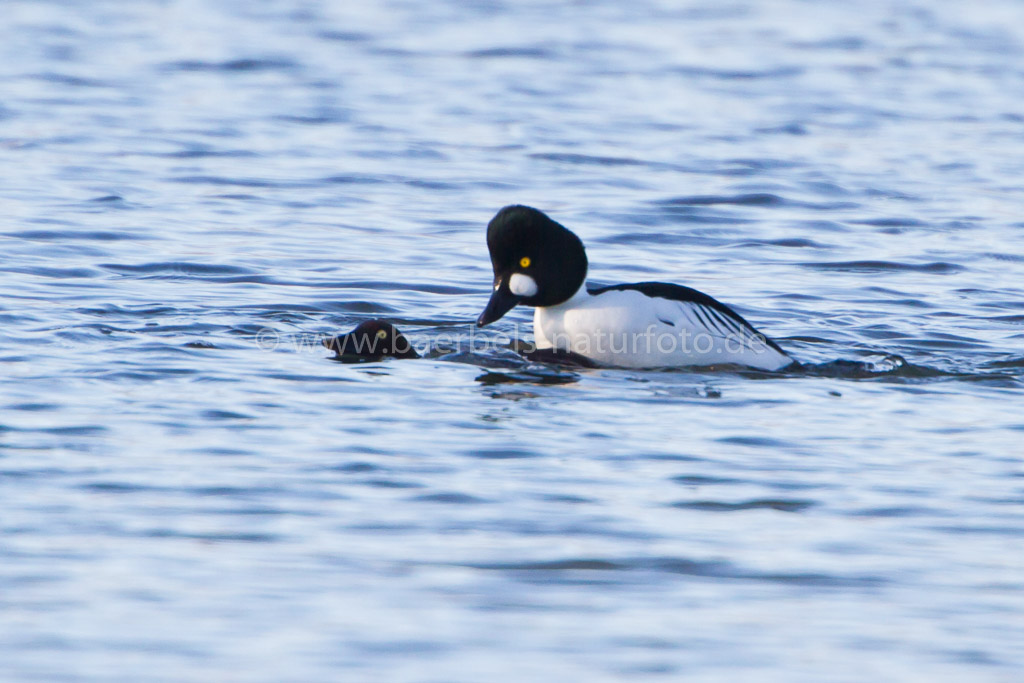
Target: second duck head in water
540,263
370,341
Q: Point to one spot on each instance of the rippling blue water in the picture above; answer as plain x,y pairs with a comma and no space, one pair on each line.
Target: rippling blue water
193,191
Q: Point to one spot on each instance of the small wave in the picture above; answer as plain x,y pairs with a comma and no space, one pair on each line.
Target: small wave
56,273
34,407
449,498
719,506
518,52
71,235
785,129
704,480
792,243
211,536
844,43
1007,363
117,487
391,484
740,74
360,306
752,199
144,311
220,414
324,117
756,441
344,36
233,65
676,565
110,201
502,453
208,153
396,286
178,268
641,238
702,216
892,222
74,81
71,430
896,368
902,511
356,467
936,267
588,159
358,179
241,182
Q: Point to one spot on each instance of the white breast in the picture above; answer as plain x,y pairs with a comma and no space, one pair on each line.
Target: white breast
626,328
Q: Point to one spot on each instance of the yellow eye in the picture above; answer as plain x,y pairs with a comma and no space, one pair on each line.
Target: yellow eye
524,262
381,334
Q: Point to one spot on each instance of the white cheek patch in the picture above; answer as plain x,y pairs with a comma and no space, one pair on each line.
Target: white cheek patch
522,285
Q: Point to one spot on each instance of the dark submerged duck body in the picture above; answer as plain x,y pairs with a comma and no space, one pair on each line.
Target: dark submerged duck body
375,340
371,341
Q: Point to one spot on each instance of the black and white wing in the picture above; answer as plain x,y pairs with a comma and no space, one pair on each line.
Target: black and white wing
678,306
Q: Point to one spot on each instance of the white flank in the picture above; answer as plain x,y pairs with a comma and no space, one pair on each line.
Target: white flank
626,328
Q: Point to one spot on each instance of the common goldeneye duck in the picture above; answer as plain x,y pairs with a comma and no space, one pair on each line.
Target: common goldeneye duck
371,340
540,263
